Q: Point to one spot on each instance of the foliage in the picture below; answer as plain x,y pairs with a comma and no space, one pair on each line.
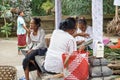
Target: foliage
83,7
6,29
70,7
110,54
47,6
108,7
4,7
36,7
76,7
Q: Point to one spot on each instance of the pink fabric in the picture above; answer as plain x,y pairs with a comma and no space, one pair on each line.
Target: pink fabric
106,41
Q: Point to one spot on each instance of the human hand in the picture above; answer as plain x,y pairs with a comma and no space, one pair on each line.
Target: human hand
86,35
29,51
81,48
80,42
28,32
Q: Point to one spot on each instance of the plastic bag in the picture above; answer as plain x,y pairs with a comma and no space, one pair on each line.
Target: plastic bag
76,65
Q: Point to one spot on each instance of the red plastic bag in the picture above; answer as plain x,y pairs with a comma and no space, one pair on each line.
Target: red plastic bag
76,66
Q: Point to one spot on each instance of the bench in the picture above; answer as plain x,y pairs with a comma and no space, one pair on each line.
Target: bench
46,76
40,59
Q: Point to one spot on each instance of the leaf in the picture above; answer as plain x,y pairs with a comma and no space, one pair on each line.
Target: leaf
47,5
2,30
6,29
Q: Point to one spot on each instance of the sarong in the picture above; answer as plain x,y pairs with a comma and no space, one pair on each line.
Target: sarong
21,40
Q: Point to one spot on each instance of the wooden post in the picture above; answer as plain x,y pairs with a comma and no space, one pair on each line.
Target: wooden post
57,13
116,3
116,12
97,23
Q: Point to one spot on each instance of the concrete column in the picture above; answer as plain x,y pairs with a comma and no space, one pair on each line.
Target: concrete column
57,13
97,22
117,2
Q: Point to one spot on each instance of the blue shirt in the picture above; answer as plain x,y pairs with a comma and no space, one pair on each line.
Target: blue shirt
20,23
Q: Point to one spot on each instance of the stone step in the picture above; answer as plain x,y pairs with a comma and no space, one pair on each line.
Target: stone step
114,66
116,72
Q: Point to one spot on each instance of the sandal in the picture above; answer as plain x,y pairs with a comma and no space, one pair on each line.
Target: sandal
23,78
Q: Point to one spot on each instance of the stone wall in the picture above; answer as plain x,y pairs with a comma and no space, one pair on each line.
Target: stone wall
48,22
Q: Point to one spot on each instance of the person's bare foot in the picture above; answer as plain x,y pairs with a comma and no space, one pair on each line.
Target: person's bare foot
19,53
38,74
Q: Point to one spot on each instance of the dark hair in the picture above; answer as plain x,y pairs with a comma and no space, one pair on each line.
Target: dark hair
76,18
37,21
20,11
83,21
68,23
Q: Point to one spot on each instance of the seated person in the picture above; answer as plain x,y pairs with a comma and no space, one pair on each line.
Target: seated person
62,40
35,38
36,46
83,28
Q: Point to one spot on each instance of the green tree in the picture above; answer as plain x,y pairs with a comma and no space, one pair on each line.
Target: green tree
36,7
76,7
6,29
108,7
47,6
83,7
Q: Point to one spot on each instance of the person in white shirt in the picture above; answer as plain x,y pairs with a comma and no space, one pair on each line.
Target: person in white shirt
83,28
61,41
35,38
36,46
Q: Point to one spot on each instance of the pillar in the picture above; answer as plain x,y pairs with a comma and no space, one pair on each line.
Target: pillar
57,13
97,22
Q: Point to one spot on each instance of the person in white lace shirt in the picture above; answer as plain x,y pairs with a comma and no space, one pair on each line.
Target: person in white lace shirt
83,28
36,46
35,38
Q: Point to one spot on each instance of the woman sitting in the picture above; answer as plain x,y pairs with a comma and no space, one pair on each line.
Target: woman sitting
84,28
36,46
35,37
62,40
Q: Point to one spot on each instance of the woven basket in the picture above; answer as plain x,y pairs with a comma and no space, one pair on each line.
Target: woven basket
7,73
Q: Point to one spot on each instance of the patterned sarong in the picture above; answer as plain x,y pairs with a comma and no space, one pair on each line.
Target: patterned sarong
21,40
